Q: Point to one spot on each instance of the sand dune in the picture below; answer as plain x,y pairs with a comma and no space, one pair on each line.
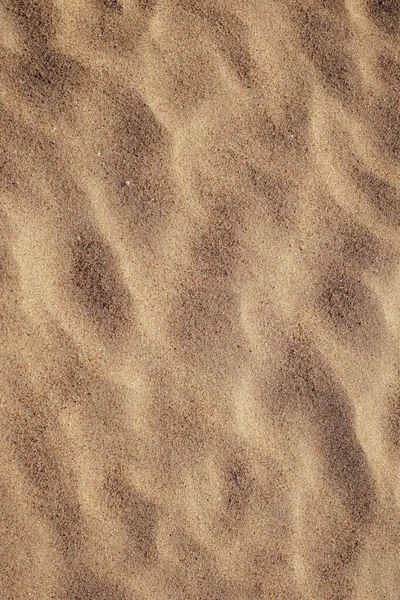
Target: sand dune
199,320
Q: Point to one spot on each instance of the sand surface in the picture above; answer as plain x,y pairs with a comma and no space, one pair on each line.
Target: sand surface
199,299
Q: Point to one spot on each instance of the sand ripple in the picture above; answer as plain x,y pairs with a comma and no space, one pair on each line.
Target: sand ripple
199,287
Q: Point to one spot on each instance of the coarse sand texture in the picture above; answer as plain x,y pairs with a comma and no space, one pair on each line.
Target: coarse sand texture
200,299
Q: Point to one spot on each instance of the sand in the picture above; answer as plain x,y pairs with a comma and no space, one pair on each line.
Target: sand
199,292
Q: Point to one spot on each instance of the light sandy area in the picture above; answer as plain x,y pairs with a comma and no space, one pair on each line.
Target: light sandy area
199,299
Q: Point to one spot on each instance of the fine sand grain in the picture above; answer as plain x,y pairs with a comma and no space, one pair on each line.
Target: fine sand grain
199,294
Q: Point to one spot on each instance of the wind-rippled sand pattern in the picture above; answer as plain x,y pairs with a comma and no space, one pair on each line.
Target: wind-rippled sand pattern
200,285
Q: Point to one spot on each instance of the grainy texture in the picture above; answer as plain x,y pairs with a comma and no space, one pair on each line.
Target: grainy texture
199,293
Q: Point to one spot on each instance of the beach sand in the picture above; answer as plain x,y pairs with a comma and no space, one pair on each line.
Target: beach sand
199,292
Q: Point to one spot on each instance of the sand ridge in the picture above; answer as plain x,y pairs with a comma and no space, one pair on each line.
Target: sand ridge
199,325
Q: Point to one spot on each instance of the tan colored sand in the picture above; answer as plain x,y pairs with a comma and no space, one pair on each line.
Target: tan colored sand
200,283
